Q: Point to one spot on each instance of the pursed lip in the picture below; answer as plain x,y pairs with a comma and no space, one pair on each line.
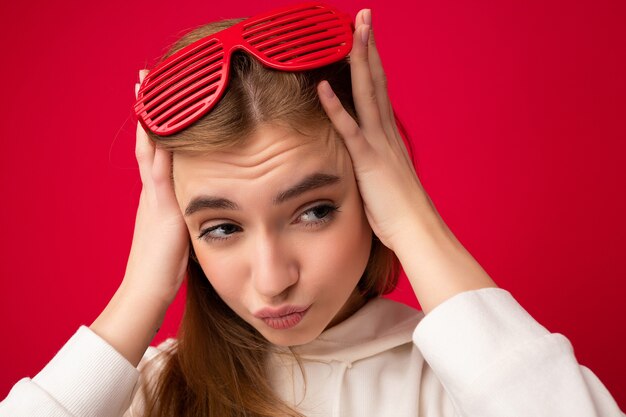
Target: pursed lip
279,312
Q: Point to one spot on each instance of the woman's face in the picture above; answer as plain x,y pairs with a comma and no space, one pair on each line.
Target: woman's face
265,232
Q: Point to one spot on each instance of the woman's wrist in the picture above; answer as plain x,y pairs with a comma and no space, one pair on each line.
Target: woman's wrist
437,265
130,321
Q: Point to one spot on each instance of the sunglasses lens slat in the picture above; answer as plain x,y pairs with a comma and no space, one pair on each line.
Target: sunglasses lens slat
172,66
313,56
203,89
167,83
184,113
188,114
260,26
198,78
206,70
289,32
312,43
306,38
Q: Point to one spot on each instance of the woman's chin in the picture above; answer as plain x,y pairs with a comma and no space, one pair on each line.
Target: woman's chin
289,337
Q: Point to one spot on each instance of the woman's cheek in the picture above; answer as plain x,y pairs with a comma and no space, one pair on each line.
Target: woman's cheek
221,271
346,252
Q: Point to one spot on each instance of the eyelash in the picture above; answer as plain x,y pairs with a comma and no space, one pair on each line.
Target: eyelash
332,209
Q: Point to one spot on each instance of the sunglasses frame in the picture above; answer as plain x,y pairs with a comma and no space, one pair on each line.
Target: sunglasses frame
188,84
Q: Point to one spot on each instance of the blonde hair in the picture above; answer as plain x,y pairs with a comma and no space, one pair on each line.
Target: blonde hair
217,364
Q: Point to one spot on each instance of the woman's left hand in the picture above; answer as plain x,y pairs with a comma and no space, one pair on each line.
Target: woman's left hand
393,197
397,207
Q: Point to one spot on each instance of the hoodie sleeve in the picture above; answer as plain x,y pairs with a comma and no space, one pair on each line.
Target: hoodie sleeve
493,359
87,377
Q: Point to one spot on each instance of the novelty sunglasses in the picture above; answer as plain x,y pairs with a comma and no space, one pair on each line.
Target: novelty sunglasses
188,84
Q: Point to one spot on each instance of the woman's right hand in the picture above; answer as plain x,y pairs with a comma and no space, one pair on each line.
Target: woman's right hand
157,262
159,253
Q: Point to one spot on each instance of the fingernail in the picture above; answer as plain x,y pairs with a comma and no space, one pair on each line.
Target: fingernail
365,33
367,17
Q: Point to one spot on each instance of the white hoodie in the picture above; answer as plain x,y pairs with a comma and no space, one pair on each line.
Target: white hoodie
478,354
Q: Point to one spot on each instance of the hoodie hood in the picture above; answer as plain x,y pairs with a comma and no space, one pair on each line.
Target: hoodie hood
381,324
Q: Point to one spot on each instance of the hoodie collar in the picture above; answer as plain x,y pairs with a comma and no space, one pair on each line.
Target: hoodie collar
381,324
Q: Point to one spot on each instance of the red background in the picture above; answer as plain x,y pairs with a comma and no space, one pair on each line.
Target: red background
517,112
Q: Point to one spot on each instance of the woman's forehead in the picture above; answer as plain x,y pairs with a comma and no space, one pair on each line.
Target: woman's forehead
271,151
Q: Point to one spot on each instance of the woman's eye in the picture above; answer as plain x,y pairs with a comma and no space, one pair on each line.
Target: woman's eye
218,232
319,214
312,217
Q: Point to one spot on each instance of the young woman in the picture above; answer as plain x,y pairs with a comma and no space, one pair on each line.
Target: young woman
287,197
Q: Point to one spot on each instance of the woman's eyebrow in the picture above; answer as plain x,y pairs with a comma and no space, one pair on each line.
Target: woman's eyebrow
310,182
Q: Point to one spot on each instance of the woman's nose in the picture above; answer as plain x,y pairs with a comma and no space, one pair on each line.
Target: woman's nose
274,267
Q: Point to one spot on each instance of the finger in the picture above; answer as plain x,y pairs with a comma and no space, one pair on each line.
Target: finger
387,116
388,121
161,176
144,151
379,78
363,89
358,147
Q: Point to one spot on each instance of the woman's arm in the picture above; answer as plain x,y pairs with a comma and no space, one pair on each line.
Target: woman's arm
397,207
493,359
129,322
437,265
87,377
157,261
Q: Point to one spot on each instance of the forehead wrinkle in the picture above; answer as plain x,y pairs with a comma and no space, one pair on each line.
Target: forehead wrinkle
258,152
329,140
269,156
328,145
